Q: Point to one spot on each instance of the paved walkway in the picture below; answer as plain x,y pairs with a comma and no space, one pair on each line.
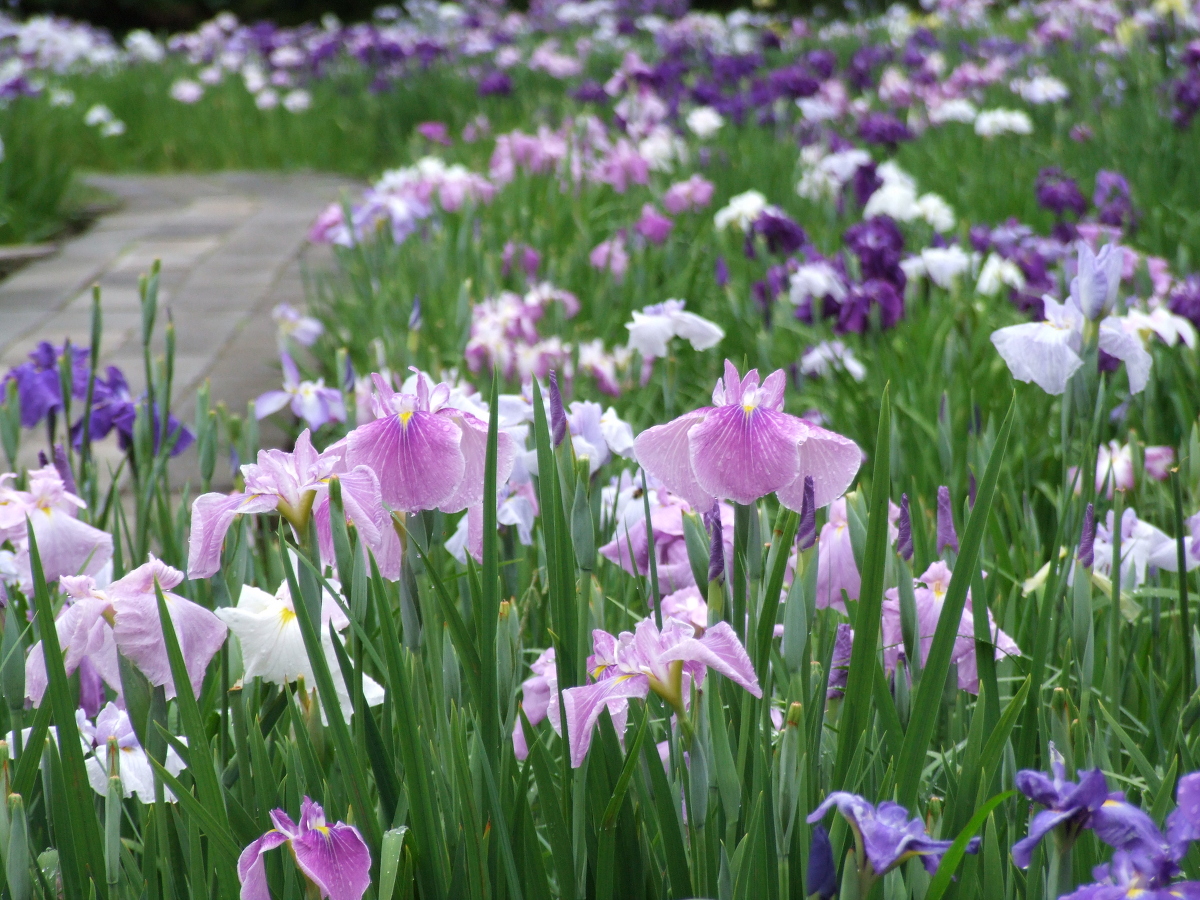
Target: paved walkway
232,246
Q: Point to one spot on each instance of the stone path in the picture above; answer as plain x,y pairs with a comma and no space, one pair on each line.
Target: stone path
232,246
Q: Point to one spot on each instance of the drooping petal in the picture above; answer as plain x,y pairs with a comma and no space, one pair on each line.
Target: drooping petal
66,546
419,462
1183,825
212,514
697,331
474,452
1040,353
1116,341
837,570
1041,825
336,859
744,454
584,704
831,459
138,632
270,403
252,873
664,452
719,649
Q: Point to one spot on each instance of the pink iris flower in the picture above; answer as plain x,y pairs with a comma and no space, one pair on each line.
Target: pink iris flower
646,659
836,569
930,592
334,858
745,446
537,692
66,545
292,484
426,453
124,617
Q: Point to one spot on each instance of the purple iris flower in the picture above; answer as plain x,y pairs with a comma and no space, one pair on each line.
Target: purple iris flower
333,858
1185,300
114,407
590,91
1059,193
946,535
839,664
1070,806
879,246
821,878
745,447
1145,862
495,84
1114,200
292,484
854,312
646,659
883,128
884,835
653,225
426,453
39,388
783,236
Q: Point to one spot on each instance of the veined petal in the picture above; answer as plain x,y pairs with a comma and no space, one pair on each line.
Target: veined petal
419,461
66,546
831,459
721,651
212,514
1039,353
664,452
474,451
272,646
336,859
251,871
584,704
743,454
139,636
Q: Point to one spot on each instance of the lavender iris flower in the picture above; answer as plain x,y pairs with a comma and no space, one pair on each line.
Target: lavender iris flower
333,858
884,835
646,659
310,401
131,606
745,447
1070,806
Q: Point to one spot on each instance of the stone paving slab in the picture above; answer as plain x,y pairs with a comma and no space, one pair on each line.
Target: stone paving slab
232,246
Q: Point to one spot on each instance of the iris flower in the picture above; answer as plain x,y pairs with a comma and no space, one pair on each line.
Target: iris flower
1069,805
333,858
1146,861
293,484
884,835
745,446
133,764
653,326
1047,353
644,660
273,647
426,453
125,614
66,545
309,400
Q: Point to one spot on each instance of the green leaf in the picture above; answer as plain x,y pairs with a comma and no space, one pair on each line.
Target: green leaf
856,708
958,849
668,825
927,697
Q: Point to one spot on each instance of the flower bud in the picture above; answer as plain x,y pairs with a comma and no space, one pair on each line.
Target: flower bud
806,534
904,541
1087,538
558,416
946,535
